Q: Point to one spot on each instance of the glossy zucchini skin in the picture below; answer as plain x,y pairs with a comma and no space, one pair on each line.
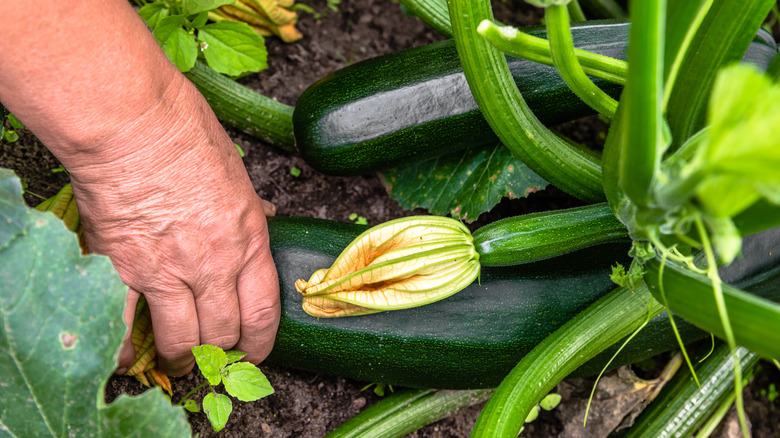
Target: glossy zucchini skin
469,340
474,338
538,236
416,104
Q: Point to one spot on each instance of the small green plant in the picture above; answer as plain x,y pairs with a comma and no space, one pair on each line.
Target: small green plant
770,393
360,220
548,403
181,29
294,171
9,135
242,380
379,388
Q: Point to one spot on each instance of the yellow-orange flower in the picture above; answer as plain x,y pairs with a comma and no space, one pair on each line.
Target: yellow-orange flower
399,264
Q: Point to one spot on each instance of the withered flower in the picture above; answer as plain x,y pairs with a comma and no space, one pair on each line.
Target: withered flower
399,264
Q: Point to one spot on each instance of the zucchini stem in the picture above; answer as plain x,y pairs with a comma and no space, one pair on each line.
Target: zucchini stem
712,273
671,320
565,60
519,44
572,170
606,366
575,11
642,140
600,325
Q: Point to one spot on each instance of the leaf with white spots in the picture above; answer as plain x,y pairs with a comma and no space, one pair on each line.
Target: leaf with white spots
12,207
464,184
60,332
210,359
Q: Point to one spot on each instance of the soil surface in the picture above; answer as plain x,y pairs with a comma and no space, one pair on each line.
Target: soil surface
308,404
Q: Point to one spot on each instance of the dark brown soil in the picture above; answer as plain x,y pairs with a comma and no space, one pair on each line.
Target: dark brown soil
307,404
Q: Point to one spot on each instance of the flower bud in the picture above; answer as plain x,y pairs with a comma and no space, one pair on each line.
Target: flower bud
402,263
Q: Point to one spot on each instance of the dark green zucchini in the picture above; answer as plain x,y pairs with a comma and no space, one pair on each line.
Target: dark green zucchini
416,104
469,340
540,236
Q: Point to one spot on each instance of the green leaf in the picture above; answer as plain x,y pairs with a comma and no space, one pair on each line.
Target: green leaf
232,48
166,26
15,123
152,13
60,333
13,210
148,414
191,405
533,414
190,7
210,360
464,184
217,408
739,160
177,44
10,136
234,356
550,401
745,108
200,20
246,382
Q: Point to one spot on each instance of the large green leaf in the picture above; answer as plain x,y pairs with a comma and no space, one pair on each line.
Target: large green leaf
60,332
12,207
232,48
464,184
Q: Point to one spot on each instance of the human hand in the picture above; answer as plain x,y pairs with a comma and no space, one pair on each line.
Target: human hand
160,187
183,226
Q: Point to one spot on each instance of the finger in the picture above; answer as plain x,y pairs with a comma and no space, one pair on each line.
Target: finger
217,306
259,306
175,322
268,208
127,354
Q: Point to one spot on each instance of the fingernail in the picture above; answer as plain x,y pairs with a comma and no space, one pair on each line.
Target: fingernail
120,371
268,207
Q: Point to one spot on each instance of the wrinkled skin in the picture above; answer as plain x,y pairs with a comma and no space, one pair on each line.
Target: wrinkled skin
159,184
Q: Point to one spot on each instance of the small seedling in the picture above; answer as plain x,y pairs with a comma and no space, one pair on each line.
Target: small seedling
295,172
10,135
548,403
770,393
242,380
379,389
360,220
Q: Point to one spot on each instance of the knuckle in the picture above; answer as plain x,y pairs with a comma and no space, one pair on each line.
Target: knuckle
224,341
176,350
262,318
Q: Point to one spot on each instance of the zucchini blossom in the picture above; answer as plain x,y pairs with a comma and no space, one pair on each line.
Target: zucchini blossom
402,263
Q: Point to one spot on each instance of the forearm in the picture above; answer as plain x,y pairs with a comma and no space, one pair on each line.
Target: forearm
87,77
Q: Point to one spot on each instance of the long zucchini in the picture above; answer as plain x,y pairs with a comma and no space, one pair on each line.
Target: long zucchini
469,340
416,104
